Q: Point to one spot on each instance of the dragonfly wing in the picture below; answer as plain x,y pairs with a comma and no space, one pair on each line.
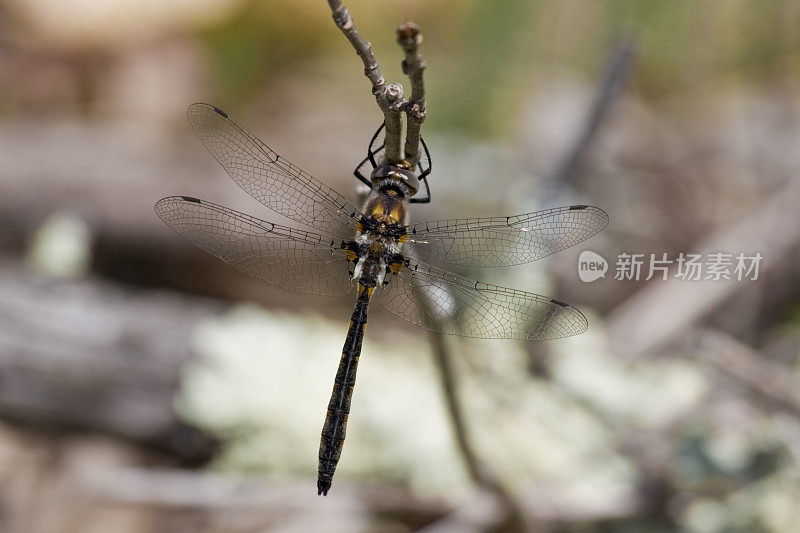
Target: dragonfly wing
269,178
294,259
505,241
448,303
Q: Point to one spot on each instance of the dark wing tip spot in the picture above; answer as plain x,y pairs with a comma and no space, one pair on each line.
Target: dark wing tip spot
577,207
191,199
559,302
603,216
220,111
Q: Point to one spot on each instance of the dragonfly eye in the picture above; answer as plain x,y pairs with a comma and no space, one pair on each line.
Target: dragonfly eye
387,175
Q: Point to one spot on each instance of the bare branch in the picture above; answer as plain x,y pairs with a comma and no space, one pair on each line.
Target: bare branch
372,69
389,98
617,73
480,472
409,37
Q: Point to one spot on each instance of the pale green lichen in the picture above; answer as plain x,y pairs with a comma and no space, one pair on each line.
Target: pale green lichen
61,247
262,380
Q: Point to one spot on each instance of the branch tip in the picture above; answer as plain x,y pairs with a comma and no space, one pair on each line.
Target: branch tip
409,37
384,96
390,97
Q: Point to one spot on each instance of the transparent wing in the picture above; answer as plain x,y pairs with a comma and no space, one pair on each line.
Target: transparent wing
505,241
269,178
448,303
294,259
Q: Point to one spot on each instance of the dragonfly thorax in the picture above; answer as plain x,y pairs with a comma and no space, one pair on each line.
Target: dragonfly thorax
387,210
380,239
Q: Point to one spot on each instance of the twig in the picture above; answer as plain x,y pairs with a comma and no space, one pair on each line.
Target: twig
389,97
480,472
409,38
616,76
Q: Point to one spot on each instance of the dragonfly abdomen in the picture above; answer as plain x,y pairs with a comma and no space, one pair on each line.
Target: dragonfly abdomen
333,432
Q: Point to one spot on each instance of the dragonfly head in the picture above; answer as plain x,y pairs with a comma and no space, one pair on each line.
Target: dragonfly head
396,177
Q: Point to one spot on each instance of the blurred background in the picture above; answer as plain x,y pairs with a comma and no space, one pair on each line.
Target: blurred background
146,387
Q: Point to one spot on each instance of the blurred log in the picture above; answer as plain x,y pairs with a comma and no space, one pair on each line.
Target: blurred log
285,506
776,383
664,310
260,501
545,506
481,512
110,173
93,356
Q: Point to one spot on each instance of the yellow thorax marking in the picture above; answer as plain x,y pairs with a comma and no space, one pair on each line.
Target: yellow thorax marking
395,213
378,212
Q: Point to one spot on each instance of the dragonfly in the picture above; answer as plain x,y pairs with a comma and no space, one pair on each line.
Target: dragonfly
374,251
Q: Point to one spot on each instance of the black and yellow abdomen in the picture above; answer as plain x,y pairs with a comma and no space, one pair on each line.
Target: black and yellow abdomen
333,432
